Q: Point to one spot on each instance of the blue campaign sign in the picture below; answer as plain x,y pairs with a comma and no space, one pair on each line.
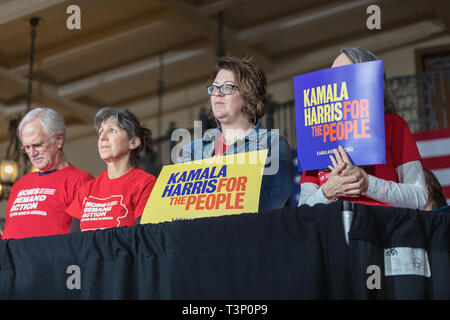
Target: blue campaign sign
340,106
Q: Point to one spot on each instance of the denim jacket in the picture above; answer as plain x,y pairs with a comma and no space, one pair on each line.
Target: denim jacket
277,180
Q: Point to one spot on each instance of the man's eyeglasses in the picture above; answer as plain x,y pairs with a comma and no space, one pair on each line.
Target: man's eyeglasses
36,146
224,89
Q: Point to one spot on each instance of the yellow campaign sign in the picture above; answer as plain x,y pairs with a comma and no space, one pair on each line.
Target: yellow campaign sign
210,187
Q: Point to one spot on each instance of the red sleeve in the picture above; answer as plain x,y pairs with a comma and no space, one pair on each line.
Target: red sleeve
77,184
147,188
404,147
310,176
12,196
75,207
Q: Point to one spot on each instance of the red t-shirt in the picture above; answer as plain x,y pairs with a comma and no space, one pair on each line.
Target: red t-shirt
105,203
400,149
37,203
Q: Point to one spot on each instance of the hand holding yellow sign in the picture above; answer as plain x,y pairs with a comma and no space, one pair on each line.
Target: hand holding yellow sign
206,188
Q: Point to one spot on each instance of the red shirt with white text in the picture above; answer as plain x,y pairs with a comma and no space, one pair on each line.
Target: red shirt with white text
37,203
105,203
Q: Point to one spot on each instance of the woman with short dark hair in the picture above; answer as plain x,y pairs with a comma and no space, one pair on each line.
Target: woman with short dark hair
117,197
238,100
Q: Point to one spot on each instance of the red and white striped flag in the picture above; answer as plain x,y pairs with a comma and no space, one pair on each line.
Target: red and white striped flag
434,147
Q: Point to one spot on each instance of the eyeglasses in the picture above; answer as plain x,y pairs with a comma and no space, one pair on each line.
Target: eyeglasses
36,146
224,89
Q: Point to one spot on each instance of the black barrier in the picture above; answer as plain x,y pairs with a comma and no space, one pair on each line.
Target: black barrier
291,253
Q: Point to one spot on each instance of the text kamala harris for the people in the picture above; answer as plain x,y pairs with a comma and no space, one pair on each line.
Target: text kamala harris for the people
211,187
340,106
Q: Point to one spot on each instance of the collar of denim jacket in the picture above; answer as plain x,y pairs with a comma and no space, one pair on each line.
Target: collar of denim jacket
212,134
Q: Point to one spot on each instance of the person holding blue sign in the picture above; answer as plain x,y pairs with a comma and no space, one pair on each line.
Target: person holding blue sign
399,182
238,101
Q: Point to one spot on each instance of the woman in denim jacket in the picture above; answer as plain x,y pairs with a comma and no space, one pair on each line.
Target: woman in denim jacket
238,101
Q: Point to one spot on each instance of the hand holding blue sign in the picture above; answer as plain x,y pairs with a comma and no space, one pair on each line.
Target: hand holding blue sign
345,178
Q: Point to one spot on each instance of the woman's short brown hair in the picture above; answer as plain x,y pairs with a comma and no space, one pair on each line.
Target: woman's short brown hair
251,82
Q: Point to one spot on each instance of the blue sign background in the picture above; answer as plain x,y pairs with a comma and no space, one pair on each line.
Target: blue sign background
364,81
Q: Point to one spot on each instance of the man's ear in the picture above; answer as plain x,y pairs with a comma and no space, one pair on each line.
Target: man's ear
135,142
60,141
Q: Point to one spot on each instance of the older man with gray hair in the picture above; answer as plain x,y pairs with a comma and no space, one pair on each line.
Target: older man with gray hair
38,200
